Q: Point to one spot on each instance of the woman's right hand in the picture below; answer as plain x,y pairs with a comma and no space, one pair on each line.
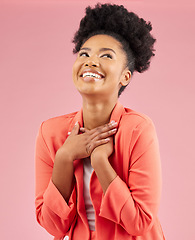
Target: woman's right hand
79,146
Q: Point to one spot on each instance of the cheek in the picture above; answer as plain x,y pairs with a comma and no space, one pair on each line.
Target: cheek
75,67
115,71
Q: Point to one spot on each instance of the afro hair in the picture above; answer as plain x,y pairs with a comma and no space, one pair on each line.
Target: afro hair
126,27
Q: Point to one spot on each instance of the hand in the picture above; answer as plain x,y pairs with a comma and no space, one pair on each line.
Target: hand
79,146
102,152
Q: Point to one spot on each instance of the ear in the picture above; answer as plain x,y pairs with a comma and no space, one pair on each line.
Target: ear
126,77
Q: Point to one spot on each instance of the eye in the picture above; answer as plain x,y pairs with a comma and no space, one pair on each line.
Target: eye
83,54
107,55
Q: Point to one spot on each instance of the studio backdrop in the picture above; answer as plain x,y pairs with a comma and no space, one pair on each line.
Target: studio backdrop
36,84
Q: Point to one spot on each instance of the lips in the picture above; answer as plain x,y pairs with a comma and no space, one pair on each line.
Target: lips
91,75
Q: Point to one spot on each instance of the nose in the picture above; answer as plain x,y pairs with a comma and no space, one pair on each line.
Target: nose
92,62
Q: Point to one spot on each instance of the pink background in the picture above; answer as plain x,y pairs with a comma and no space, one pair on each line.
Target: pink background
35,78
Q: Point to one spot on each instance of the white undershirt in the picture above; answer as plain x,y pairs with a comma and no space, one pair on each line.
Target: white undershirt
87,172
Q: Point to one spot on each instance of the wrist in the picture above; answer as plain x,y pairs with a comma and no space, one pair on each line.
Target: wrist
99,160
64,156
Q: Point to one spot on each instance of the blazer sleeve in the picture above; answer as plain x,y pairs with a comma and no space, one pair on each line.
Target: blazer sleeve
134,204
52,211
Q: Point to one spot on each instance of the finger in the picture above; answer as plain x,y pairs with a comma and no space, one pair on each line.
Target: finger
99,129
95,144
83,130
75,129
107,128
106,134
88,149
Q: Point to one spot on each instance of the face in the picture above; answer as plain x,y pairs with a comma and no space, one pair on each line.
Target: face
100,67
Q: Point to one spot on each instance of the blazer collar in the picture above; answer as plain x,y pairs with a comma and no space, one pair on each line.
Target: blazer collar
117,113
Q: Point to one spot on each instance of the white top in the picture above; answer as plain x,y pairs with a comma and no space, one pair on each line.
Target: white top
87,172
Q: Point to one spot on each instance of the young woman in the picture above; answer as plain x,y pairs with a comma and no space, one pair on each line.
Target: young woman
98,170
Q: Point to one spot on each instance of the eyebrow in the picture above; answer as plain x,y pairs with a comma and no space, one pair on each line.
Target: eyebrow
101,49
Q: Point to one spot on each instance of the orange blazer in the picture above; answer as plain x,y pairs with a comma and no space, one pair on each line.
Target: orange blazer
128,210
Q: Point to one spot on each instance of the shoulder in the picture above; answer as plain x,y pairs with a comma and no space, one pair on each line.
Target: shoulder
57,124
136,120
137,128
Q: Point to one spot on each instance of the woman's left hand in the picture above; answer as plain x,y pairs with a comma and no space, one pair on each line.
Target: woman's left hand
102,152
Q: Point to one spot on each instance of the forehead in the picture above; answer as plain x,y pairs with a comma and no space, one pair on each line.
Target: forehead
103,41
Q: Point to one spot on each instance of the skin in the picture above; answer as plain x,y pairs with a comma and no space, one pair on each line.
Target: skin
104,55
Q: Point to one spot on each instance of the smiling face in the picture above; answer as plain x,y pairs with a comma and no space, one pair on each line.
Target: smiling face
100,68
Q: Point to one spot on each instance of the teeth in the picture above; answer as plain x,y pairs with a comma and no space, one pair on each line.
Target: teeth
89,74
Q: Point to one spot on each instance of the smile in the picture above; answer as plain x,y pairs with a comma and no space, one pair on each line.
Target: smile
89,75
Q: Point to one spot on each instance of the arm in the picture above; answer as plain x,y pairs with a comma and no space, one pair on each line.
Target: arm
134,204
52,211
55,193
100,163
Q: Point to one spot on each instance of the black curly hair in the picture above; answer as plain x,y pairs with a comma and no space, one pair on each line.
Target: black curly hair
131,31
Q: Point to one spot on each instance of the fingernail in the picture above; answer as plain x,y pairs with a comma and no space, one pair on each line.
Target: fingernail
69,133
114,123
76,122
114,129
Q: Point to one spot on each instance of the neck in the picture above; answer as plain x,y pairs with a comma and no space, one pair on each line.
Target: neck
97,113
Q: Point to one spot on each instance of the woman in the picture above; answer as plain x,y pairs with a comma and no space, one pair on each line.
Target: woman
98,170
